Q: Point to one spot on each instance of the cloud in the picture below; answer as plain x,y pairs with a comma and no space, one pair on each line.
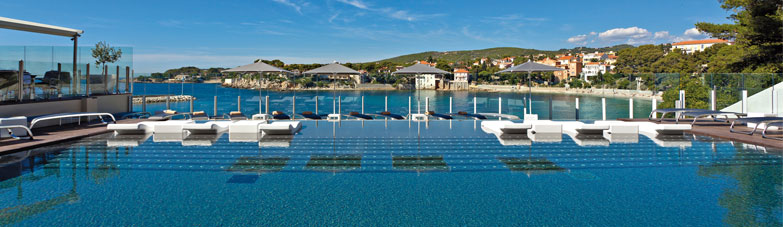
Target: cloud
291,4
662,35
356,3
693,32
334,17
632,35
389,12
579,39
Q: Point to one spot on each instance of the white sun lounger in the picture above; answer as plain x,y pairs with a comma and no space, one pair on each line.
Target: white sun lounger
170,126
71,115
663,129
545,127
514,140
15,127
203,140
209,127
619,127
143,127
280,128
245,126
576,127
504,127
587,139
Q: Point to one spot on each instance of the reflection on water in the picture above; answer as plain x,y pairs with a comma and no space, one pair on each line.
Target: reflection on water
393,166
757,198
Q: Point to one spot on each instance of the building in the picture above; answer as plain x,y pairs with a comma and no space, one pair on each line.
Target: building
461,78
592,69
594,57
611,59
697,45
430,81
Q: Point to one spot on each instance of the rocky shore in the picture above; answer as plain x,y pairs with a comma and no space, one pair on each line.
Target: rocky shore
162,98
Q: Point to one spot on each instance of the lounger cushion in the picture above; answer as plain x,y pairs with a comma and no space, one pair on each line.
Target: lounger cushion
170,111
199,113
235,113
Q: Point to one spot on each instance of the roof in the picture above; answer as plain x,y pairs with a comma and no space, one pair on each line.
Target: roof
461,71
531,67
705,41
420,69
259,67
612,56
28,26
565,57
333,68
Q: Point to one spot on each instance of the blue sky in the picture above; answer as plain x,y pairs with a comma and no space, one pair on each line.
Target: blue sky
168,34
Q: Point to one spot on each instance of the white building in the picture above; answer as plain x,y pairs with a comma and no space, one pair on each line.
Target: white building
461,75
589,57
592,69
697,45
429,81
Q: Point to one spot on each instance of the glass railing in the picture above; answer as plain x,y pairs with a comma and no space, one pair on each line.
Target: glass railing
48,73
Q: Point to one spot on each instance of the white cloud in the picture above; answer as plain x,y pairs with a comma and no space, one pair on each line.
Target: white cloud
592,33
692,32
579,39
662,35
356,3
291,4
631,35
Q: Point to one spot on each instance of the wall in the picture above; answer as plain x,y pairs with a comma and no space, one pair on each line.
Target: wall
103,103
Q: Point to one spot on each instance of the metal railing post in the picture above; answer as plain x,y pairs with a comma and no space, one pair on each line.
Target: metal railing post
144,103
117,82
266,105
630,108
293,103
20,80
87,89
654,106
475,108
426,104
239,103
576,111
214,106
168,102
191,105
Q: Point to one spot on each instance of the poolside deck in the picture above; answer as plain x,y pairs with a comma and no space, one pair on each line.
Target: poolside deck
721,130
55,134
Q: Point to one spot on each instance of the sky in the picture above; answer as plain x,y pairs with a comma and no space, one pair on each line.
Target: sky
170,34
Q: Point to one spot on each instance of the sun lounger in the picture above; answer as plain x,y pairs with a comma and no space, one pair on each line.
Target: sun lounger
708,113
545,127
236,116
619,127
168,137
755,121
71,115
209,127
674,111
778,124
505,127
142,127
441,116
133,115
583,139
199,116
662,129
310,115
664,140
469,115
390,115
14,130
280,128
9,130
359,115
514,140
245,126
278,115
170,126
167,115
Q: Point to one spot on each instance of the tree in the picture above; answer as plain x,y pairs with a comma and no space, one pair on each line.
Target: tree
103,53
757,33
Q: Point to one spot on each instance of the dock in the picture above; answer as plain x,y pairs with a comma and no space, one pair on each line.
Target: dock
721,130
56,134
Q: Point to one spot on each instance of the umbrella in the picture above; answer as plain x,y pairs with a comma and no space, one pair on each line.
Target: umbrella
530,67
258,67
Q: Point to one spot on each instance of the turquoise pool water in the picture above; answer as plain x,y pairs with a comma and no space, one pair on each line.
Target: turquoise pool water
563,105
391,173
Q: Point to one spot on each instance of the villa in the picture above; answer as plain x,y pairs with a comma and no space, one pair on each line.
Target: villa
691,46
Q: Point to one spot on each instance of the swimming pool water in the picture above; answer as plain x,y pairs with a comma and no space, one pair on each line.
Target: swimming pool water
391,173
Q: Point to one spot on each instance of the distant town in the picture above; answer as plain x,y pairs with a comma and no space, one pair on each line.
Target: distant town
580,69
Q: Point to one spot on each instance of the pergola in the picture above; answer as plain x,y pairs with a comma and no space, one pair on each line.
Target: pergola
419,69
258,67
333,69
28,26
530,67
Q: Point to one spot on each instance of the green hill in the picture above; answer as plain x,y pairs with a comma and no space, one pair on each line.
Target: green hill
494,53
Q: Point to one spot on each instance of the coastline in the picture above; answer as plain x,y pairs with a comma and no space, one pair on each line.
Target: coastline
609,93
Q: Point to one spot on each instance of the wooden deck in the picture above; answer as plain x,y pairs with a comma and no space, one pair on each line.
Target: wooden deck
721,130
55,134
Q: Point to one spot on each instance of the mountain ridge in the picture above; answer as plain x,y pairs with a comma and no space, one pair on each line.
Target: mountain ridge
495,52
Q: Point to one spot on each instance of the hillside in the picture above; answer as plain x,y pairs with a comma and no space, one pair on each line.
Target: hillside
498,52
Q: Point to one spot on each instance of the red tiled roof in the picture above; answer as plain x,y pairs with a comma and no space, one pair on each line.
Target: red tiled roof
706,41
565,58
460,71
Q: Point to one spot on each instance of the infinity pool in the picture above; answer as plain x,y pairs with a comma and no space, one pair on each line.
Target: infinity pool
392,173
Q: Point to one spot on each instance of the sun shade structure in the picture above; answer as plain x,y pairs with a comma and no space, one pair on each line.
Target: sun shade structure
333,68
258,67
530,67
28,26
420,69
